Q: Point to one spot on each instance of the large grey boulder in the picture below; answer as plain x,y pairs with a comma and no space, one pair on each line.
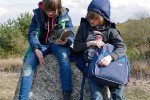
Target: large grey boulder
46,82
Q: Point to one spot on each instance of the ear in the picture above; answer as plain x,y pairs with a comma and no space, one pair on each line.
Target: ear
40,4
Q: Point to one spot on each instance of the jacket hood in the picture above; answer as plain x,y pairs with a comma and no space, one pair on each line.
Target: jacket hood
102,7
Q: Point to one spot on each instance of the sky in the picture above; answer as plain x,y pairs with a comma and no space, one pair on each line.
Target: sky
121,10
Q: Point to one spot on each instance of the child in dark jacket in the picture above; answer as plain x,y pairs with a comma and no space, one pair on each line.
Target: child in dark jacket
43,37
98,18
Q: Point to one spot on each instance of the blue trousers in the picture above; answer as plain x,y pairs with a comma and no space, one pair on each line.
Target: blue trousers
31,62
96,90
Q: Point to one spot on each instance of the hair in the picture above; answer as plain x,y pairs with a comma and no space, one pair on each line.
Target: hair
95,15
54,5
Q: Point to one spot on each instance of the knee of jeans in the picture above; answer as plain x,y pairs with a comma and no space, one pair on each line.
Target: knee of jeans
27,69
64,57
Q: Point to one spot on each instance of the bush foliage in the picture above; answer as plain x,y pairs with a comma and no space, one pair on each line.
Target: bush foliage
136,34
13,36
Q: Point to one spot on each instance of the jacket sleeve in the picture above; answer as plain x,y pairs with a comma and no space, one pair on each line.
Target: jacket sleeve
32,35
79,42
69,25
118,43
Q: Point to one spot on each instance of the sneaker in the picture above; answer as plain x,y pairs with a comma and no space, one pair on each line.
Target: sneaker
67,96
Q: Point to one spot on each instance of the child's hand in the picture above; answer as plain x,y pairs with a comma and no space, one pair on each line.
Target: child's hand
99,43
60,42
105,61
40,56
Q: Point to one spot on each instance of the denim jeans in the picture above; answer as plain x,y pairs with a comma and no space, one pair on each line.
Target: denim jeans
31,62
96,90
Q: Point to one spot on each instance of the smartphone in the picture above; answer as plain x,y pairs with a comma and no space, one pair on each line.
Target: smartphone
65,34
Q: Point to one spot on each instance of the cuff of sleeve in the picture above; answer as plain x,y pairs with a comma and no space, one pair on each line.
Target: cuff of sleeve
37,47
114,56
69,42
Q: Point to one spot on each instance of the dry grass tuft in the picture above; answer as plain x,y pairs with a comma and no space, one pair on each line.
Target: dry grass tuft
8,83
10,64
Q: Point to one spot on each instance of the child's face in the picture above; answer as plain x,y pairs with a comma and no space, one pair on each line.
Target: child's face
51,13
96,21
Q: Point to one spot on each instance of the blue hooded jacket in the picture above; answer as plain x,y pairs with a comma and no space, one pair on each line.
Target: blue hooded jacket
102,7
37,30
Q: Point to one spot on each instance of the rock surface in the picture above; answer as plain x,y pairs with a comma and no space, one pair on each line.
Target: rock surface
46,82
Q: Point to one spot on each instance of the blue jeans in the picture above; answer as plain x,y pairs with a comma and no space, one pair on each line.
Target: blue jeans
31,62
96,90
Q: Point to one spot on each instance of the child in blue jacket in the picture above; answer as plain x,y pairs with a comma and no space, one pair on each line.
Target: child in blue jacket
98,19
46,23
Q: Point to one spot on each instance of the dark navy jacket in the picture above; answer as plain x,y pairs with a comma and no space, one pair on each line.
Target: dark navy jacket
110,33
37,30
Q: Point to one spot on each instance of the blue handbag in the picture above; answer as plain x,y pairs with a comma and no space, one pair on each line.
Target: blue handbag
116,73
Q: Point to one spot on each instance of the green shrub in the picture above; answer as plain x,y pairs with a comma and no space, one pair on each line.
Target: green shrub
13,36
